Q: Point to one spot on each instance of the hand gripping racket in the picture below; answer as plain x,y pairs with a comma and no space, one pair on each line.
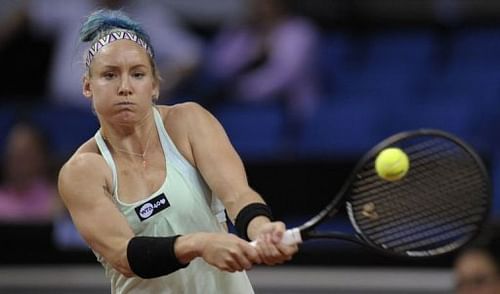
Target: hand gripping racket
437,207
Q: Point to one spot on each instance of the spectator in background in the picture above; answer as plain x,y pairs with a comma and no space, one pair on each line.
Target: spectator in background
178,51
477,268
11,18
268,57
17,44
27,191
207,17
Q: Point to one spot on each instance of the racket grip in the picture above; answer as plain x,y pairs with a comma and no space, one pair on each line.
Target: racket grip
290,237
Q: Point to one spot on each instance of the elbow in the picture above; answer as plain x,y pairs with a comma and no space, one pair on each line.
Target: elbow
121,265
126,272
114,256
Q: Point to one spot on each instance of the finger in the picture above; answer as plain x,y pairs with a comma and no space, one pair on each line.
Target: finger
287,251
277,232
268,238
281,226
227,266
243,254
270,254
276,236
252,254
233,264
242,260
264,251
278,254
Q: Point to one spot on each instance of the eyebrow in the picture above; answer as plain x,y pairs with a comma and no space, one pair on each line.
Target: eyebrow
112,66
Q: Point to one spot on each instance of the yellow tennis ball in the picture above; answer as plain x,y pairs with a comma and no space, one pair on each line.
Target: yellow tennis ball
392,164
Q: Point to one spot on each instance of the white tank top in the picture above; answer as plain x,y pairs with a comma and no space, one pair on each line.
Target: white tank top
183,204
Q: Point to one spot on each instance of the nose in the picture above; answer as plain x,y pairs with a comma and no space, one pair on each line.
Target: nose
125,89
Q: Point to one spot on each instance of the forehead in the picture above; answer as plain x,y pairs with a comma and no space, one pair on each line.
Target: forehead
121,53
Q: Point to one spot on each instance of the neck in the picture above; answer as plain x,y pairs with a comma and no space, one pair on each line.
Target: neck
131,135
141,152
133,141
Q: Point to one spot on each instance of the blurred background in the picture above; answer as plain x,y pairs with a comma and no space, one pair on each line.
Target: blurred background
303,89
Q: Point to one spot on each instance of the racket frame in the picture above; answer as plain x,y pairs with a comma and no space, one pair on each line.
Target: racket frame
307,230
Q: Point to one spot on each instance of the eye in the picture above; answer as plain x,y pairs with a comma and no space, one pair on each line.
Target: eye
138,75
109,75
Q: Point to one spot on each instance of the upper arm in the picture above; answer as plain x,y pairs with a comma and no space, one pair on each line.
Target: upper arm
83,188
217,160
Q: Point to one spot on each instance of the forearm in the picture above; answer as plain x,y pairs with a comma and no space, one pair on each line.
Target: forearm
251,218
239,199
248,212
188,247
152,257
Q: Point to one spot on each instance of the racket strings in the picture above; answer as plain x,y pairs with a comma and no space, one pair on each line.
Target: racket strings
438,239
379,194
438,217
437,203
436,245
369,180
381,191
394,222
416,228
424,229
368,174
408,205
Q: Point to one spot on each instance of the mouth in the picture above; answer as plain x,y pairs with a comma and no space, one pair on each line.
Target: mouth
125,103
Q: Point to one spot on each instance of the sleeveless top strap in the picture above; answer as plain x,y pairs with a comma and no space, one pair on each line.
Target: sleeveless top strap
180,162
103,148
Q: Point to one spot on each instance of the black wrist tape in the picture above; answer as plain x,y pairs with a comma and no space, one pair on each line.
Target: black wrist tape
246,215
152,257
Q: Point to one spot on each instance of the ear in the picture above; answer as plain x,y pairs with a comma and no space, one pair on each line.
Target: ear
86,89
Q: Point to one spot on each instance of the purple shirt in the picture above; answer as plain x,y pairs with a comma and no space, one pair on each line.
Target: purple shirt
289,70
35,203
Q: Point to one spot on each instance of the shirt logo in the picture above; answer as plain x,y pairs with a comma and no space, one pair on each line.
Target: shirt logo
152,207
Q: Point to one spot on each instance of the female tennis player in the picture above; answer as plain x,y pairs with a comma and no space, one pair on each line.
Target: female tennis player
149,191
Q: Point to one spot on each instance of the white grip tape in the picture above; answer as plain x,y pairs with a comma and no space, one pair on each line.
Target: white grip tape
290,237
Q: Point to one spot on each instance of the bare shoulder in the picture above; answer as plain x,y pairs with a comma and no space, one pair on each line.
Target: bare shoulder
184,122
183,112
86,157
186,118
85,167
83,162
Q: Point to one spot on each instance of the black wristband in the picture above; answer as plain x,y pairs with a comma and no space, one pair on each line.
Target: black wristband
152,257
246,215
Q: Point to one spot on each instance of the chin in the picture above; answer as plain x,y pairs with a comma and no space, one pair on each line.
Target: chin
126,117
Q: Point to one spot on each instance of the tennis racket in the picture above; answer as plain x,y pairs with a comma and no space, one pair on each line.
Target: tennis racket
437,207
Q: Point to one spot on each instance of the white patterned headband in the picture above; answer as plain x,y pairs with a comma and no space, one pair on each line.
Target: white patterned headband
115,36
